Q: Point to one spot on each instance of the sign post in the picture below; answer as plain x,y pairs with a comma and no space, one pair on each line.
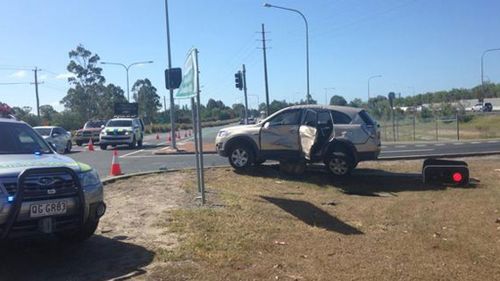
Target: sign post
190,88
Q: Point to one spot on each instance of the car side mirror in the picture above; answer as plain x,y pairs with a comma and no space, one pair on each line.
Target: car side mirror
266,125
102,126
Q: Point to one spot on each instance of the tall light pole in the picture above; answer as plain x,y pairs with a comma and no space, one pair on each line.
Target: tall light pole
307,42
326,95
369,79
127,67
482,68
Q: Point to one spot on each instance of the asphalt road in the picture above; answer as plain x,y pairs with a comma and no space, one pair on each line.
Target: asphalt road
138,160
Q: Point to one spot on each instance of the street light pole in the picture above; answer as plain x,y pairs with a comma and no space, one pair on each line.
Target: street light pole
482,68
307,42
369,79
127,67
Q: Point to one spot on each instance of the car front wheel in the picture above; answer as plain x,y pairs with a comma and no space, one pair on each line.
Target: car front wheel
240,157
69,145
339,164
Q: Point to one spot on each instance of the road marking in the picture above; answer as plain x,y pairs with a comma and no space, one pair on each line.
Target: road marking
475,142
400,146
492,141
458,143
439,144
421,145
409,150
131,153
384,146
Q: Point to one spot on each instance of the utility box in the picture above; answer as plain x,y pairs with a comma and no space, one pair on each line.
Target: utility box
440,171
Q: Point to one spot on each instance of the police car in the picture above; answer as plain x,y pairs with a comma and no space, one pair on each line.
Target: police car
42,192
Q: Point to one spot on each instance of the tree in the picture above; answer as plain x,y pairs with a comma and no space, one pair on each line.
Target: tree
87,83
47,113
356,103
112,94
147,98
338,100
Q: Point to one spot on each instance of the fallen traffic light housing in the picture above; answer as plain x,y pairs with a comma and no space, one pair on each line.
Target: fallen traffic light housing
439,171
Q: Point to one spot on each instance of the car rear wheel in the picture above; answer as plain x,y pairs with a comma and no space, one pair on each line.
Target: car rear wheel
241,157
339,164
139,143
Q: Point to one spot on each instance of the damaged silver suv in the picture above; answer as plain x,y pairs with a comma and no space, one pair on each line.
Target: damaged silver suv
338,136
42,192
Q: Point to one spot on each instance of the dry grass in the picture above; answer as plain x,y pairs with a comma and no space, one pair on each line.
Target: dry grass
373,226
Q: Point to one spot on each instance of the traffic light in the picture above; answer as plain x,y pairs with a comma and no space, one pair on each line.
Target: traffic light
440,171
173,78
238,80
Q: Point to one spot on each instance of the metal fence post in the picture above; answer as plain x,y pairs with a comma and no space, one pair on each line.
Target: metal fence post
414,120
437,133
458,126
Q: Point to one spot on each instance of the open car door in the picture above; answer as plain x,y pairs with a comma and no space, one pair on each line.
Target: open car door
308,132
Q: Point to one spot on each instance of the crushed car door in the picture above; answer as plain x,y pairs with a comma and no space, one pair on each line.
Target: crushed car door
308,132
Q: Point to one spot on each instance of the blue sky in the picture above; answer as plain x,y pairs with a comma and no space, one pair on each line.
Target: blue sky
416,45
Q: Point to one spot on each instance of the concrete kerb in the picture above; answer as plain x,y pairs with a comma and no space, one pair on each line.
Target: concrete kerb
145,173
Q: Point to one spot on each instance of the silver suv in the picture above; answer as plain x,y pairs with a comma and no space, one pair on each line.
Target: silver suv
129,131
42,192
338,136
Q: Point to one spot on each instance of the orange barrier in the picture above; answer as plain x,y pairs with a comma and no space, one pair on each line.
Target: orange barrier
90,147
116,170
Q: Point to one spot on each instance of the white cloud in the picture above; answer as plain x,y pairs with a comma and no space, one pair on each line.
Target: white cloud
43,77
64,76
19,74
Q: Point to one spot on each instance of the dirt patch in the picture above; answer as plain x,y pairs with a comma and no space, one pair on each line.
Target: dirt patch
133,231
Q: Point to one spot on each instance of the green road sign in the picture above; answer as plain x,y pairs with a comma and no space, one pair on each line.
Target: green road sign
187,88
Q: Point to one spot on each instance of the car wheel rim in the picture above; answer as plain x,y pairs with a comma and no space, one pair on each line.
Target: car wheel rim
338,166
239,157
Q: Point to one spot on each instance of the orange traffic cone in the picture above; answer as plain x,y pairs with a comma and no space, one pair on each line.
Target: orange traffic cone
116,170
157,137
90,147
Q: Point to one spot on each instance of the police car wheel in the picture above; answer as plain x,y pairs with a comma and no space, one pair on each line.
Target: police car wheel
80,235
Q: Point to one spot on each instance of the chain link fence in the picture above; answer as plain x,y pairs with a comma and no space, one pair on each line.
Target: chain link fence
441,128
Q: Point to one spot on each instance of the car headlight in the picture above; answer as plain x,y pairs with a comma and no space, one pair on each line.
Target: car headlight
127,133
223,133
89,178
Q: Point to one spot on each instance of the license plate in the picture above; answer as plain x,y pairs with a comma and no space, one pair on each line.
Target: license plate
43,209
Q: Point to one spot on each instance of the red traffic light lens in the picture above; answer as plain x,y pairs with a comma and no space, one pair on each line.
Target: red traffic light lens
457,177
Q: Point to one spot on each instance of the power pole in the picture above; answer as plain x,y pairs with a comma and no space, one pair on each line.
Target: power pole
245,92
172,104
265,70
36,92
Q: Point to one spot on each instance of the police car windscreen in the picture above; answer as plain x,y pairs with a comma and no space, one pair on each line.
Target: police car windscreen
119,123
20,139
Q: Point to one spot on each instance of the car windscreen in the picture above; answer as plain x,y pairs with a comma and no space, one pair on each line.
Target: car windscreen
21,139
119,123
43,131
93,124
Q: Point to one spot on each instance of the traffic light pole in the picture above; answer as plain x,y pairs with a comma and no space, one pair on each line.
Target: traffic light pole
245,92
